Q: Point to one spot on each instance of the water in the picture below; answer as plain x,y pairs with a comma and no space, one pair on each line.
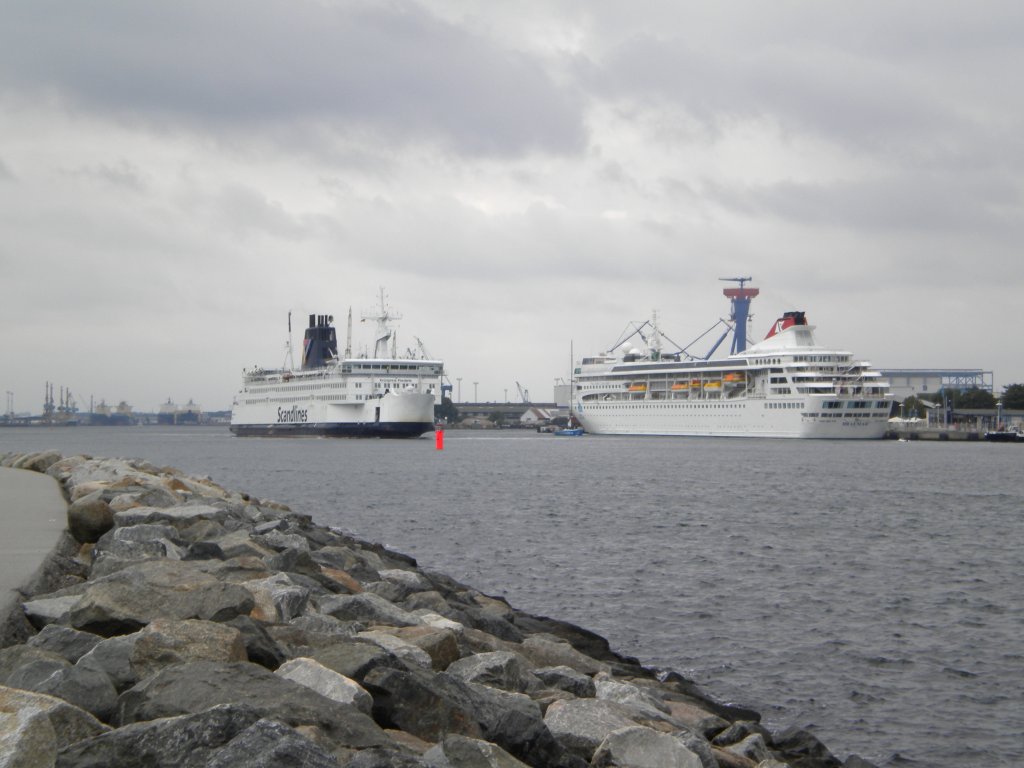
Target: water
867,591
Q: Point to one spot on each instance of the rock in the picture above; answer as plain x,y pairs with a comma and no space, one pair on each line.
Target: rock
420,703
581,725
179,516
431,706
738,731
356,658
440,644
131,598
639,747
802,749
269,744
461,752
409,653
644,704
112,657
327,682
277,598
27,739
17,656
752,747
260,647
696,718
152,497
499,669
191,688
567,679
166,641
185,741
87,689
37,462
70,723
551,652
387,758
89,518
367,608
67,642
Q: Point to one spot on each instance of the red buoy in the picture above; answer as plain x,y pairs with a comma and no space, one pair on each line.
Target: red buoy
439,439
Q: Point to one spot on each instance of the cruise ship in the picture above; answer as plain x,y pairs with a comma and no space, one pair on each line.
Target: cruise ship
785,386
378,395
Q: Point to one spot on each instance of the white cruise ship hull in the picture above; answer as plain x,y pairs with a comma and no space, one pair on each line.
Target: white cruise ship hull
736,418
402,414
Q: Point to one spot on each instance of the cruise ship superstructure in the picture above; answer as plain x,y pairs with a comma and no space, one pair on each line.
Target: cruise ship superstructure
375,395
784,386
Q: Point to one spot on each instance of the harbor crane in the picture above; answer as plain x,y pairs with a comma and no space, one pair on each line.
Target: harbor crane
523,393
446,383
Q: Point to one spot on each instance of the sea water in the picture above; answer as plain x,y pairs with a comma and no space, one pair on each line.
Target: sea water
867,591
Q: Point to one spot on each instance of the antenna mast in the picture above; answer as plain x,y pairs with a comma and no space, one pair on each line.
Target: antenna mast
740,298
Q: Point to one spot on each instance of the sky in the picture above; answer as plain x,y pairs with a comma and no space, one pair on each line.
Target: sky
522,179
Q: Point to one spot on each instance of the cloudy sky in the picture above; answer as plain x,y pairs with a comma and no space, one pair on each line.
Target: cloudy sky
521,178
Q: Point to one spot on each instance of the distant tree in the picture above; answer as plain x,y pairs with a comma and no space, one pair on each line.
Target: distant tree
446,411
976,398
1013,397
913,406
498,419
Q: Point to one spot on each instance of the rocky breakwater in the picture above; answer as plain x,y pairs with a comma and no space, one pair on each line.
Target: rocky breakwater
181,624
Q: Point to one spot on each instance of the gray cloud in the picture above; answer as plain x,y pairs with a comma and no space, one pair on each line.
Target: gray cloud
375,67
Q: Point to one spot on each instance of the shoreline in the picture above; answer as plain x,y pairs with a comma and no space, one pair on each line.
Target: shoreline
175,612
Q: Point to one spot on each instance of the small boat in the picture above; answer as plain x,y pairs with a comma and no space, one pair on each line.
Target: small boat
569,432
1005,436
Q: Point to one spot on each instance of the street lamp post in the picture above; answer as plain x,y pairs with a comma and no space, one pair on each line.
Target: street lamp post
476,398
459,379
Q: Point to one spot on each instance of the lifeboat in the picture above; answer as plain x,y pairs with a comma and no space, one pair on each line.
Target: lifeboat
734,376
695,383
713,385
681,385
637,387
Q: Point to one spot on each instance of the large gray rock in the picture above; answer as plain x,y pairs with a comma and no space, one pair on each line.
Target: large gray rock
67,642
269,744
17,656
567,679
178,516
87,689
421,703
89,518
133,597
580,725
552,652
431,706
803,749
112,657
356,658
185,741
191,688
165,641
70,723
327,682
639,747
27,739
499,669
461,752
50,610
367,608
278,598
409,653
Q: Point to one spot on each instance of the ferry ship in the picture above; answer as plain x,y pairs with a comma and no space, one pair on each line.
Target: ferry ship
381,395
785,386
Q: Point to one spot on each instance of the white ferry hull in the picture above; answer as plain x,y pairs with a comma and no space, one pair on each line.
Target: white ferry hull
391,415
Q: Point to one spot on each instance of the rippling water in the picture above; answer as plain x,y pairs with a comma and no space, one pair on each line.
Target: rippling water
867,591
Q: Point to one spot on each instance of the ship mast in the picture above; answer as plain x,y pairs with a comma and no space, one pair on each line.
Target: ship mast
384,334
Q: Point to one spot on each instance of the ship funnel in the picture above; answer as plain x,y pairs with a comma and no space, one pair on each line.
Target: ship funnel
320,343
787,320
